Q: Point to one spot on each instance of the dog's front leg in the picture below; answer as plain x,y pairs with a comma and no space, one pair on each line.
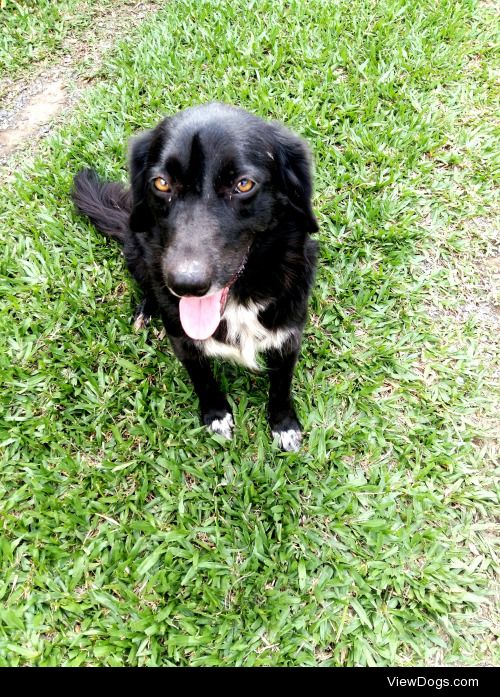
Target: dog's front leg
215,409
283,420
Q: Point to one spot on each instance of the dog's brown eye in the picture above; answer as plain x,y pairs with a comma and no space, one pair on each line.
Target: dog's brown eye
245,185
161,184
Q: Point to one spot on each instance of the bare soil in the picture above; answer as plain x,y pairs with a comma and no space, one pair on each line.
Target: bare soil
29,107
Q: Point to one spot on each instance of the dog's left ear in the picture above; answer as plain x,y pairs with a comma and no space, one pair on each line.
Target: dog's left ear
142,150
294,165
140,217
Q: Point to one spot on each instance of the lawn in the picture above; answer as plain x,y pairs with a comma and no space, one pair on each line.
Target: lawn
35,31
129,535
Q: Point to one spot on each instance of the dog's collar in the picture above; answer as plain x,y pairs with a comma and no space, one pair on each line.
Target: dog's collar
238,273
233,280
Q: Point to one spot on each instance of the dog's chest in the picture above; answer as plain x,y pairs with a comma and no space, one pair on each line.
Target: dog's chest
245,337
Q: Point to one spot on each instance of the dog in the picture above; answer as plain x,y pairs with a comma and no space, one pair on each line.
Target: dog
215,229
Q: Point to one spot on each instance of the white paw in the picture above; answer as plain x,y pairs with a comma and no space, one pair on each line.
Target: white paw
140,322
288,440
224,427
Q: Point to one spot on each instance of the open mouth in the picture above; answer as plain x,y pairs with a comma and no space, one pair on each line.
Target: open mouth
200,317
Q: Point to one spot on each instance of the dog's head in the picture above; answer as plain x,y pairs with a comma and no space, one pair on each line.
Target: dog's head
205,184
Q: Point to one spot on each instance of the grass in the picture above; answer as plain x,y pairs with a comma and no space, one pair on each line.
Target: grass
37,34
132,537
32,31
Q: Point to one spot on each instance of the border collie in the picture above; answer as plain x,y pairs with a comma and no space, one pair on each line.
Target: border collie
215,230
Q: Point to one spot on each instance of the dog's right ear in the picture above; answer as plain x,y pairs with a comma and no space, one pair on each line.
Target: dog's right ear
294,163
140,217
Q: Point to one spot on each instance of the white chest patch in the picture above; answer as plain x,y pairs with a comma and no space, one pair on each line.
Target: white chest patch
246,337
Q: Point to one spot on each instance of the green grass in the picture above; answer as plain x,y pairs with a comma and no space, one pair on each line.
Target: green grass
130,536
39,33
34,30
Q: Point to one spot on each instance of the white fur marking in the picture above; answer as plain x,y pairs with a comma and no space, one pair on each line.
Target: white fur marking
246,337
224,427
288,440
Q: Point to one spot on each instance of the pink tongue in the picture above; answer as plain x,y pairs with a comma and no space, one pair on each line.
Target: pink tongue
200,317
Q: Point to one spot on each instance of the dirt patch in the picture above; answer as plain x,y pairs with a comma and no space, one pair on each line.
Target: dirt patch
37,110
29,107
474,281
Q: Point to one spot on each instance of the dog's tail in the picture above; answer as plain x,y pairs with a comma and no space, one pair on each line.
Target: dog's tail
106,204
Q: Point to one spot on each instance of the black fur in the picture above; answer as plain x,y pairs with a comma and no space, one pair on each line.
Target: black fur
205,224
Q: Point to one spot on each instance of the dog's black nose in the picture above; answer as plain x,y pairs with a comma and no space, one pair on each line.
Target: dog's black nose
195,282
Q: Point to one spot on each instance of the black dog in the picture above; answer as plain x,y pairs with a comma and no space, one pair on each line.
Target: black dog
215,231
